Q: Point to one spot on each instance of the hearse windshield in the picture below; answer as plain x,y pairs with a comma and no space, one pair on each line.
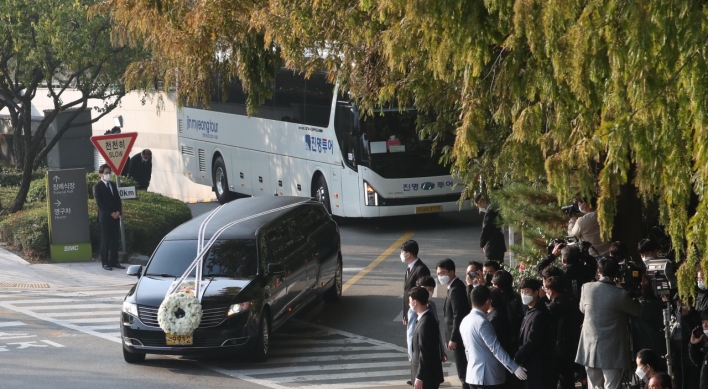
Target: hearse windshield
234,258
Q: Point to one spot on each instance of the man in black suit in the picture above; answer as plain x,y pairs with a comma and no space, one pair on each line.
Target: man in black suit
536,339
416,269
492,239
456,307
140,168
426,363
110,208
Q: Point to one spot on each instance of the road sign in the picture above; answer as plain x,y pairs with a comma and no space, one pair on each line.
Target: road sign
115,148
127,192
67,204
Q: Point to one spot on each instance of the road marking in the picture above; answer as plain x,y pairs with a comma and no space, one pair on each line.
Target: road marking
73,314
328,350
320,368
11,324
330,358
316,376
115,326
396,245
71,306
94,320
348,269
55,344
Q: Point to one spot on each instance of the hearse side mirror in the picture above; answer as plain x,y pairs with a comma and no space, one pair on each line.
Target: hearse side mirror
135,270
276,269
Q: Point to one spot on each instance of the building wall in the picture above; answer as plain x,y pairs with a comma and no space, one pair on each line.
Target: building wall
157,131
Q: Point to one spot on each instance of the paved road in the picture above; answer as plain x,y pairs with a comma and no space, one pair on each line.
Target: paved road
356,343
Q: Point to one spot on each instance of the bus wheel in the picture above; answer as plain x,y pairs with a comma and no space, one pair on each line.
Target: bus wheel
322,193
221,183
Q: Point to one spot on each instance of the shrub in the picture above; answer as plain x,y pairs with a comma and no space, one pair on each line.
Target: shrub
147,219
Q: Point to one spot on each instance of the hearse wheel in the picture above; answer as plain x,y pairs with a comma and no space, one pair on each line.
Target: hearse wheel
334,293
262,345
133,357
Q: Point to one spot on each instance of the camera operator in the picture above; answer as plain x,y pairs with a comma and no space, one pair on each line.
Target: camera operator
604,345
587,228
698,349
578,268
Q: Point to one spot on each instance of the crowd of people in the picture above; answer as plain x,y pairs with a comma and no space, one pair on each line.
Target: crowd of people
575,321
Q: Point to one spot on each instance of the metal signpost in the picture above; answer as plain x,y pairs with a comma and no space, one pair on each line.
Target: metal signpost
67,204
115,149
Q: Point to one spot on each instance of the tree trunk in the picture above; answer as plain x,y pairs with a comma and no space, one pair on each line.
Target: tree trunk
24,187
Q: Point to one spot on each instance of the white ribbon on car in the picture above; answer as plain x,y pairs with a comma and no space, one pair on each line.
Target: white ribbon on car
203,248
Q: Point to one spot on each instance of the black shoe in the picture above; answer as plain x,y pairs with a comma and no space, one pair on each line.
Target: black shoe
409,382
107,267
119,266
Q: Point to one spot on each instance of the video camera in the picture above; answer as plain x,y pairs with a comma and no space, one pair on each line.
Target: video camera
571,209
570,241
630,277
662,274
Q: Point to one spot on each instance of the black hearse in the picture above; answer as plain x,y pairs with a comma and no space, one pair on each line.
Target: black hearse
258,274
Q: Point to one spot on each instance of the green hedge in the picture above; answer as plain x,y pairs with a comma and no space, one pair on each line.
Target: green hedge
147,219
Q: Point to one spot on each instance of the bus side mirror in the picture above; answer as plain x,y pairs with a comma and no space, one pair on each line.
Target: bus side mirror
354,128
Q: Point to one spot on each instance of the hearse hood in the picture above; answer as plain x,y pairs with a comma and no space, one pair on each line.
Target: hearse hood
151,290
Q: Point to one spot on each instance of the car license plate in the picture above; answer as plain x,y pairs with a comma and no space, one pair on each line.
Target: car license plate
179,340
428,209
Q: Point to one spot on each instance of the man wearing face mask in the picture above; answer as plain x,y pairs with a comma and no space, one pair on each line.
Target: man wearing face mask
428,283
492,239
698,349
535,339
415,269
426,362
456,307
587,228
565,333
604,349
110,207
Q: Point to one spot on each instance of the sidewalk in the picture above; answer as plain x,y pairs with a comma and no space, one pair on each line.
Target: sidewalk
16,273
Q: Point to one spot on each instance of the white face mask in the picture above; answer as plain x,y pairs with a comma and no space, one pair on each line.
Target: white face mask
640,373
701,285
403,258
705,332
430,295
443,280
526,299
107,177
483,210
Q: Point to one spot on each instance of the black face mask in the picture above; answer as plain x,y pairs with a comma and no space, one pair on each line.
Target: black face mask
488,278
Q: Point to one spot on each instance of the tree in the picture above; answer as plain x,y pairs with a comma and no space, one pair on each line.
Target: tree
52,44
583,96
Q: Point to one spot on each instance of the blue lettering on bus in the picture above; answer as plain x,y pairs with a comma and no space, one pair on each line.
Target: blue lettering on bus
318,145
207,126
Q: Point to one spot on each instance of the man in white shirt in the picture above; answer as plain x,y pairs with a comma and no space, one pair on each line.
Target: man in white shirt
486,359
587,228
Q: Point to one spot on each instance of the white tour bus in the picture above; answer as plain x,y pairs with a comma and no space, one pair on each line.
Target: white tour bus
305,142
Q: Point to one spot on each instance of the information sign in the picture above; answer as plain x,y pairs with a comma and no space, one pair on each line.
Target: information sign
115,148
127,192
67,204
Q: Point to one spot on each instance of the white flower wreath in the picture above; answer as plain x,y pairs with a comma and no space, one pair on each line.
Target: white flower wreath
167,314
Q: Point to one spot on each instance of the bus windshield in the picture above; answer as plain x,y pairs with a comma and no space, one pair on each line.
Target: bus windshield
392,147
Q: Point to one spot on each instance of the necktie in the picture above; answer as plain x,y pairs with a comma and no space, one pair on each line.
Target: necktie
109,187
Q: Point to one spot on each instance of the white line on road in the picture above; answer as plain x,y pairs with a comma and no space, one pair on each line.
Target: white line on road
328,350
115,326
94,320
320,368
55,344
343,376
346,269
11,324
299,342
73,306
87,313
329,358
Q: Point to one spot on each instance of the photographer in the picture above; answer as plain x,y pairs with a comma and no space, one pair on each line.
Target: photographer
587,228
578,268
698,349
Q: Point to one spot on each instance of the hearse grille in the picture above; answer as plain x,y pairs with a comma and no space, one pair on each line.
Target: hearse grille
212,316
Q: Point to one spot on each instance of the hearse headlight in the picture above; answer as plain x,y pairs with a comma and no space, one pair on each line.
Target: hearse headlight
370,195
130,308
240,307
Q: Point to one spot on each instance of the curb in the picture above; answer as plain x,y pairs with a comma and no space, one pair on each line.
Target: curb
12,257
209,200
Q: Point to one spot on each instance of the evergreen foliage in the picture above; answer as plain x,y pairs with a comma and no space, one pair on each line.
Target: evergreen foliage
585,95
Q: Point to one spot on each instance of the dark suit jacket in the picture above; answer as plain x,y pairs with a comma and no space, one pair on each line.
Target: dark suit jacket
502,327
456,307
426,363
419,270
536,347
107,202
141,172
565,324
492,238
